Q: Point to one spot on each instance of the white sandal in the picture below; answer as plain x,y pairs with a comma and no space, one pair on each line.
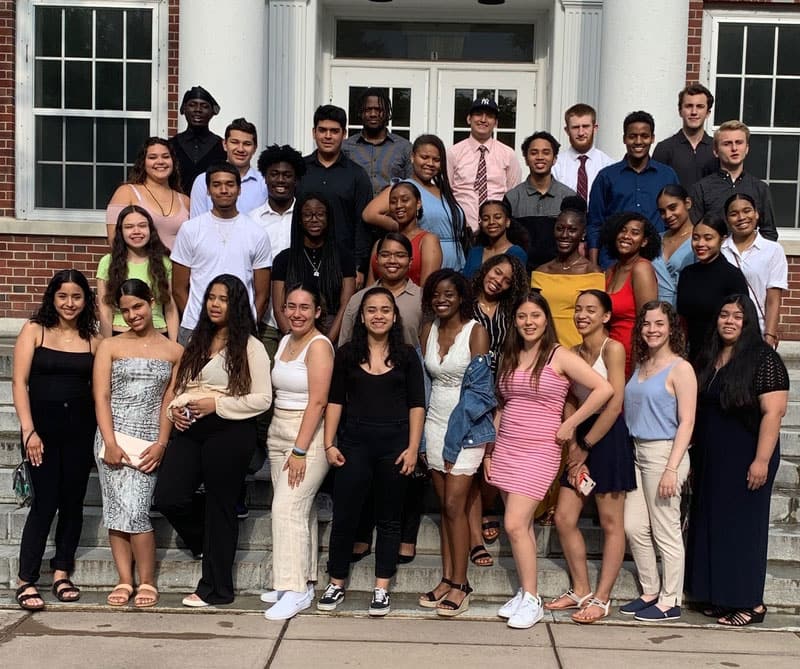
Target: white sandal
570,594
592,602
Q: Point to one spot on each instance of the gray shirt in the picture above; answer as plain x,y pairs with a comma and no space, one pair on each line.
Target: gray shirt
409,303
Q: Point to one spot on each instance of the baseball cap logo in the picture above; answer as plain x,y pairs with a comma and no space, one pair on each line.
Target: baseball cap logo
486,101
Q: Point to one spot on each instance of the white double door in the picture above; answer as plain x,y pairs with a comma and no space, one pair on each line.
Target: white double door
434,99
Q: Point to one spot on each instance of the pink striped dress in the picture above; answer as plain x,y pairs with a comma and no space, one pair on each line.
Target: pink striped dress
526,457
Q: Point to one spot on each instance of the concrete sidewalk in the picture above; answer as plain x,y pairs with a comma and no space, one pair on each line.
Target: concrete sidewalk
92,636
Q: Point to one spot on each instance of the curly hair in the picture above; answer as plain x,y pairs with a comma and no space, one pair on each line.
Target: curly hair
454,211
510,296
282,154
155,251
47,316
357,352
677,339
509,360
651,247
137,174
462,288
241,326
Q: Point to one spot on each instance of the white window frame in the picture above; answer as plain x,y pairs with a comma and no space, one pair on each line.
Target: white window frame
25,125
712,19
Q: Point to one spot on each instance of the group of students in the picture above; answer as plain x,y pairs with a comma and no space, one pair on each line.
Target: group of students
452,363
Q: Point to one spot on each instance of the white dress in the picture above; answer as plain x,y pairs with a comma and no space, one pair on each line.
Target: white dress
446,377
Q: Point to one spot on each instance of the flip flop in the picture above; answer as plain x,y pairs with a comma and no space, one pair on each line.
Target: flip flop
125,587
478,553
577,602
146,599
603,606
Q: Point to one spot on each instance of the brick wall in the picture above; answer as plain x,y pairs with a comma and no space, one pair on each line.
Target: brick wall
7,54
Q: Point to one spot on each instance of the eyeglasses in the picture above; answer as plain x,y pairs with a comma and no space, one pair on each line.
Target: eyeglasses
398,255
311,215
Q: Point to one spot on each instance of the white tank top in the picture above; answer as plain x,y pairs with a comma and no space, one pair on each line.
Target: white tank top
599,366
290,379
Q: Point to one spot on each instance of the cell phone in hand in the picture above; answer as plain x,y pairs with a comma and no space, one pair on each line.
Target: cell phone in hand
585,484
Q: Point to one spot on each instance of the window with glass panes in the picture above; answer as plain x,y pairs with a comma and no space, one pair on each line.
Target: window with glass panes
400,97
756,68
506,118
94,82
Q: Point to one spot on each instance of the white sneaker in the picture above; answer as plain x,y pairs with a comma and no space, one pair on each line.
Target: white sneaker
271,596
288,606
528,613
324,507
508,609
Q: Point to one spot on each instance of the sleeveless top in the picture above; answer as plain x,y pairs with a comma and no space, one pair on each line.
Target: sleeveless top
623,314
599,366
57,376
166,226
437,217
651,411
415,269
290,379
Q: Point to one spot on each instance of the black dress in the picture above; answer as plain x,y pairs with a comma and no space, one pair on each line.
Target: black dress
701,288
729,524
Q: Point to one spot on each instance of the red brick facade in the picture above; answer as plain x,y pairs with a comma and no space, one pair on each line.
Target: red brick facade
27,261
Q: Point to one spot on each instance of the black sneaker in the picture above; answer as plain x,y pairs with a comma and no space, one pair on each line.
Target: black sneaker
242,511
379,606
331,598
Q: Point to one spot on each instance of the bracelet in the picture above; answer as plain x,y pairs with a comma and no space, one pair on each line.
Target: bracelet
671,469
28,438
770,334
327,448
298,452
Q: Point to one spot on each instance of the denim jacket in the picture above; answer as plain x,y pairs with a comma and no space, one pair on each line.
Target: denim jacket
471,423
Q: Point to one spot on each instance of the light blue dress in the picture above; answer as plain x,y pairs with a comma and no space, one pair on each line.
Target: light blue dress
436,218
667,272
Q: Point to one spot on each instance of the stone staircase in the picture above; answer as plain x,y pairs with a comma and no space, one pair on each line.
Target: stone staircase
177,571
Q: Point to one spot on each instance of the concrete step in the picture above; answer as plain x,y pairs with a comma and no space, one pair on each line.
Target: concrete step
784,507
259,490
178,571
792,416
8,419
788,474
5,391
790,442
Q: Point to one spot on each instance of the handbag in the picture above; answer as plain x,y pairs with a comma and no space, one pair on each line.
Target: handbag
21,481
133,447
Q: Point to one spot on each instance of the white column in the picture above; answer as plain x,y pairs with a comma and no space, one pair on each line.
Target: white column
576,63
642,65
292,54
223,49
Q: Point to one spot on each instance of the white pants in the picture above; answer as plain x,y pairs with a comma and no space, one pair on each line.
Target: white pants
654,522
295,537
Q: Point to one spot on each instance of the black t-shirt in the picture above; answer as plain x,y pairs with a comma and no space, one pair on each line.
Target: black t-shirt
387,396
280,267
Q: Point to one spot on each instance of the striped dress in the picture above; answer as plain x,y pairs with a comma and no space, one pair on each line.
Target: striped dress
526,457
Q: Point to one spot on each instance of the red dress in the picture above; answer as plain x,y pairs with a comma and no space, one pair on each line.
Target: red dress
623,315
415,269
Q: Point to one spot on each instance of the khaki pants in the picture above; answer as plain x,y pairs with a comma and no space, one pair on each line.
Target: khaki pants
295,537
654,522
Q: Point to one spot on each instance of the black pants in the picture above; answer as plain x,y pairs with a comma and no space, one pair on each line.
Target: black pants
216,452
59,483
370,448
411,517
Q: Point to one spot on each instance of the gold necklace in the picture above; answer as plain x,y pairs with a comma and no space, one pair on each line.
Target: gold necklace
564,267
171,201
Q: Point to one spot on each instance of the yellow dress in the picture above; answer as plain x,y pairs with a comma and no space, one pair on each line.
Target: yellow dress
561,292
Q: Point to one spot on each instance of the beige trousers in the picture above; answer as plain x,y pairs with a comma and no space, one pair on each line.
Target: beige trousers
295,537
654,522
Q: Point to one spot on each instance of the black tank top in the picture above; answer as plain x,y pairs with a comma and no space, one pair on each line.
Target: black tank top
57,376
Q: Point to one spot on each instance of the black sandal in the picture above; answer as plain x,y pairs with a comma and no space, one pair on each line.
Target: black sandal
490,525
479,552
429,600
59,593
743,617
448,608
715,611
23,599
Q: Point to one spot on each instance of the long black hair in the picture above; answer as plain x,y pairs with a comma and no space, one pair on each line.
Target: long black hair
241,325
458,221
738,389
518,288
357,353
612,227
47,316
319,322
155,251
330,267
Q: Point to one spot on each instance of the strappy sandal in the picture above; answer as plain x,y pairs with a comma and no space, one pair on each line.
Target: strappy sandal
113,600
715,611
603,606
578,602
23,600
146,599
447,608
480,557
59,593
486,530
429,600
743,617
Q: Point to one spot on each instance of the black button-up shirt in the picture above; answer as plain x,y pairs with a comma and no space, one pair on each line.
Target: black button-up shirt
690,164
196,151
348,190
709,195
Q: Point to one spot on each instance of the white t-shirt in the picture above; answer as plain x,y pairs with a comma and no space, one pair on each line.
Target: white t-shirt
764,266
210,246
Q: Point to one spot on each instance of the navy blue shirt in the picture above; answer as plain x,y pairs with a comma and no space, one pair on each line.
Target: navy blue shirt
619,188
